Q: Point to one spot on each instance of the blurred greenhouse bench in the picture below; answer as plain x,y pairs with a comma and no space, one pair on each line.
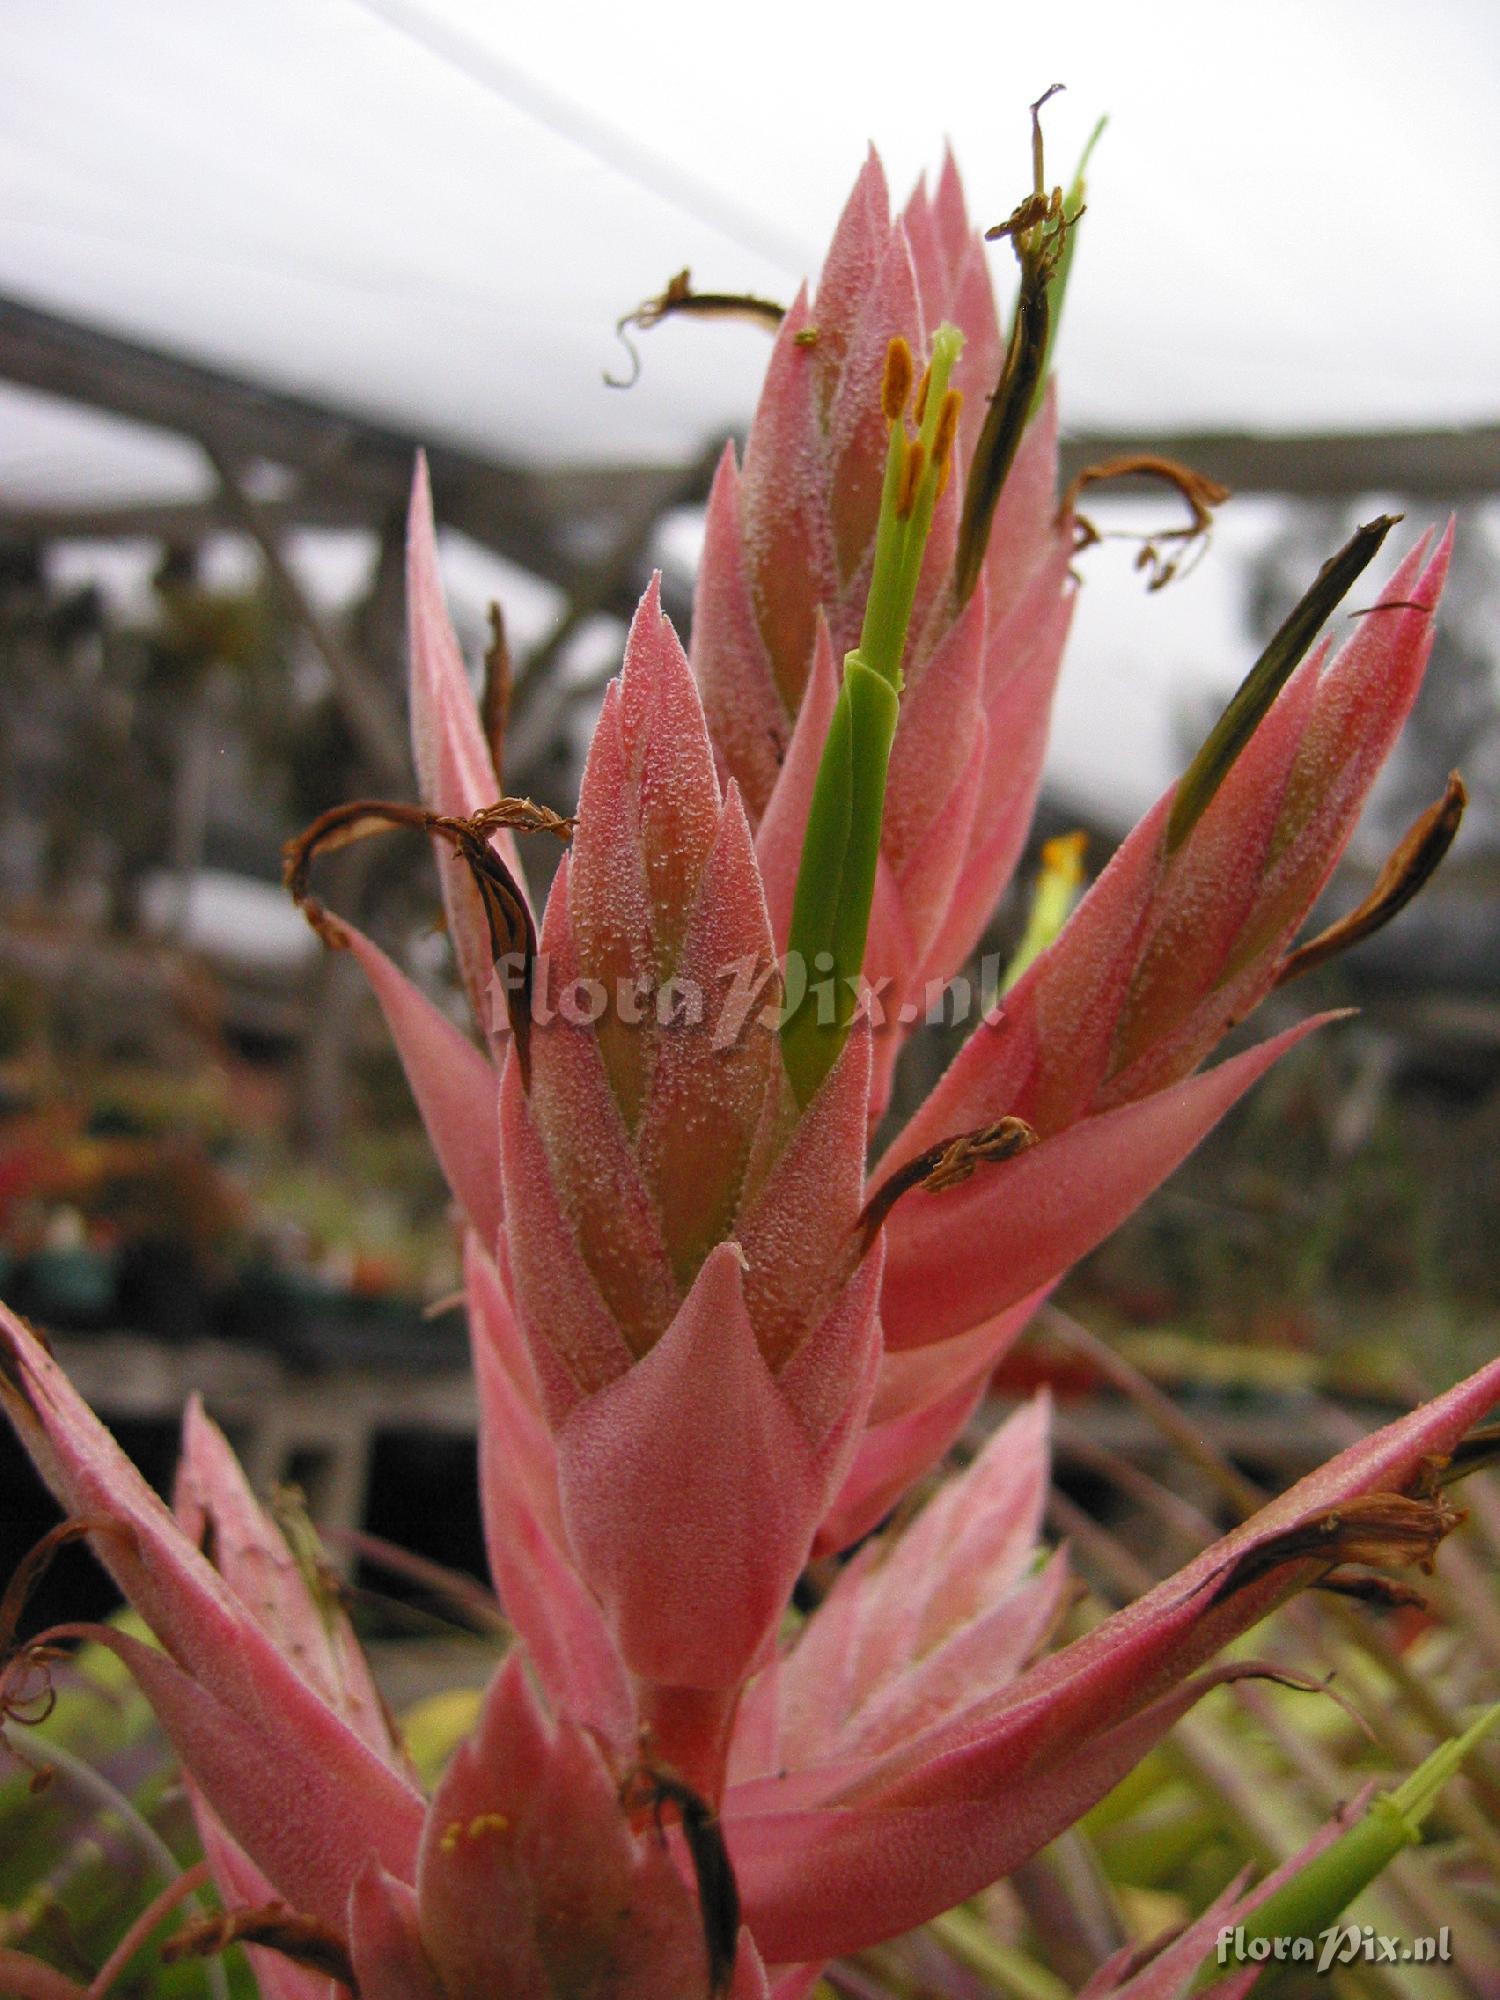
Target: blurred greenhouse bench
316,1428
314,1419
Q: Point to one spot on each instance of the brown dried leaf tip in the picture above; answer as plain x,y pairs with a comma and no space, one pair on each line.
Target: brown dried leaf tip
1038,229
678,297
1474,1453
947,1164
651,1786
1375,1530
305,1940
1383,1593
499,680
1199,494
1408,870
34,1565
512,932
1042,205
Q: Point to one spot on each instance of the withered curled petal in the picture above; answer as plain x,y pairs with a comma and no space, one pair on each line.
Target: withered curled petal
1198,492
1410,867
678,297
505,907
947,1164
303,1939
35,1563
1373,1528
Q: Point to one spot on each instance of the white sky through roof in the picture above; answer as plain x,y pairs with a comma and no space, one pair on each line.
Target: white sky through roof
433,211
371,200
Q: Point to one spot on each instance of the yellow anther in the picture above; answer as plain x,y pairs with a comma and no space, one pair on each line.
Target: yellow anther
922,387
895,386
1058,882
1062,858
482,1823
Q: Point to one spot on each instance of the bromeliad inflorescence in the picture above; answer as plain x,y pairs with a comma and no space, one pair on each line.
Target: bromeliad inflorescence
707,1341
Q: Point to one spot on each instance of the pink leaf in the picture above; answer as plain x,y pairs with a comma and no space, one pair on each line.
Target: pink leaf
456,1087
543,1594
784,826
970,1799
963,1255
218,1512
242,1886
389,1960
691,1491
747,717
585,1319
229,1676
307,1805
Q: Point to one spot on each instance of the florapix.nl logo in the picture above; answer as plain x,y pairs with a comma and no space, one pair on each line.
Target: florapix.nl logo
750,988
1338,1945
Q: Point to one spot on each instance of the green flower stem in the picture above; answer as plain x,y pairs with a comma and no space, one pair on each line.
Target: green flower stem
841,849
836,881
881,606
1318,1894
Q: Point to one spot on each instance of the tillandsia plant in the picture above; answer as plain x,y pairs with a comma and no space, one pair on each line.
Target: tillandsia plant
709,1340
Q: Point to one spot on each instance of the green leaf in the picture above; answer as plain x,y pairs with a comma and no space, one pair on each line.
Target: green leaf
1288,647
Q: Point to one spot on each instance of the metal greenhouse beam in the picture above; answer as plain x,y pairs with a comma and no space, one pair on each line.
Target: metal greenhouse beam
353,471
350,470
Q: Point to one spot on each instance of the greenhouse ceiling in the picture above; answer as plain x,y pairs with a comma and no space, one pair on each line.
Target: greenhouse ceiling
432,212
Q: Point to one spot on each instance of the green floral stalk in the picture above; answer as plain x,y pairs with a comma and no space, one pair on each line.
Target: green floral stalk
836,877
1317,1895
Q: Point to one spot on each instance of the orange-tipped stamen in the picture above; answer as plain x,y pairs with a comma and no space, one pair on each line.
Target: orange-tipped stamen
945,437
920,412
895,386
911,479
